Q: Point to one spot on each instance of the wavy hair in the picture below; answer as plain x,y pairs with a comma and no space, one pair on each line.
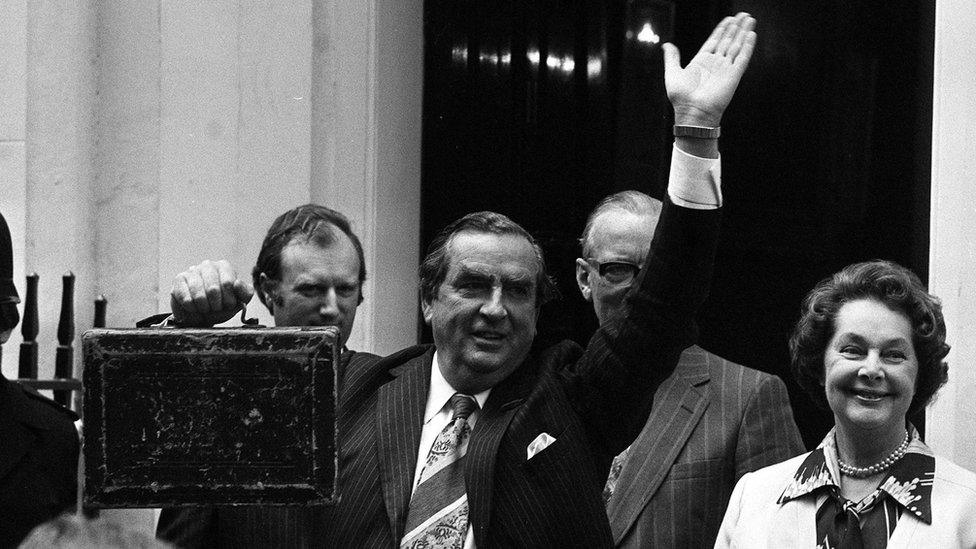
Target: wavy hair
434,268
310,222
895,287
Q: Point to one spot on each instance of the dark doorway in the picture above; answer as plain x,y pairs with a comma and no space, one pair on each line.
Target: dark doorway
538,108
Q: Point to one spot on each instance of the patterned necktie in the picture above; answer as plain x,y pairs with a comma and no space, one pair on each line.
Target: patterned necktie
438,514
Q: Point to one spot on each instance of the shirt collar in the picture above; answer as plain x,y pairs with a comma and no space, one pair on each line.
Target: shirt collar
441,392
909,481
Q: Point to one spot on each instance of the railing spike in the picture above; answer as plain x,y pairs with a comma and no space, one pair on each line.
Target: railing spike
64,358
28,328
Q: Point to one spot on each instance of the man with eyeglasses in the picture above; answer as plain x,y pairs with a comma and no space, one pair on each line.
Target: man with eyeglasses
712,420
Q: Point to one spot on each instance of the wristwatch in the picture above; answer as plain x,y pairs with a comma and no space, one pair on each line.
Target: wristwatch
700,132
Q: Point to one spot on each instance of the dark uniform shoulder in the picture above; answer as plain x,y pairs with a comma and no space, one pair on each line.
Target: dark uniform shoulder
42,402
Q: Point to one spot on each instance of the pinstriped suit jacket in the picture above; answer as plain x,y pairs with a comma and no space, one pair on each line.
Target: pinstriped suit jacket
593,401
712,422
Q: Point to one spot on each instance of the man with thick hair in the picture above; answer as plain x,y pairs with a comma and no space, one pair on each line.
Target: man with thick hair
434,268
712,420
310,272
308,223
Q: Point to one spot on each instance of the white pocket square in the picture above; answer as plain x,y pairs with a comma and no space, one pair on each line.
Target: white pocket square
540,443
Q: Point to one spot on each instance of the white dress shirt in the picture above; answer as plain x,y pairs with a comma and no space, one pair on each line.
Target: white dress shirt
695,182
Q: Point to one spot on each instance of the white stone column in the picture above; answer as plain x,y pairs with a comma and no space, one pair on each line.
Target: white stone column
127,160
60,143
951,420
367,68
398,115
234,129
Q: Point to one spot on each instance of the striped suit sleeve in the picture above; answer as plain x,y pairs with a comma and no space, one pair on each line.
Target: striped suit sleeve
768,432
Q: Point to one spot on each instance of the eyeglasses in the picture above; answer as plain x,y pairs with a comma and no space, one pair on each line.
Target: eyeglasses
617,273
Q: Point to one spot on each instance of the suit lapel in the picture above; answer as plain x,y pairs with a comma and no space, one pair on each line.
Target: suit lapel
399,416
479,475
678,407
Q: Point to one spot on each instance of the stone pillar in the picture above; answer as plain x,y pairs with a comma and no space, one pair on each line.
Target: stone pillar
127,161
59,202
367,68
234,132
953,227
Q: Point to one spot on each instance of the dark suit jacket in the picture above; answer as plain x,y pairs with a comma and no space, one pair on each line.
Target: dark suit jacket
38,461
712,422
594,403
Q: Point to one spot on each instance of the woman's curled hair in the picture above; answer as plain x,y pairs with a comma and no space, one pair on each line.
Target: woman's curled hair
893,286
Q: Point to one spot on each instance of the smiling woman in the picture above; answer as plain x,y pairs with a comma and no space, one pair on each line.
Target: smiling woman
870,370
901,293
870,345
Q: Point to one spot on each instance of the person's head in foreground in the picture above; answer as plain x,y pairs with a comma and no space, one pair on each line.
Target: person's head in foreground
482,285
870,345
76,532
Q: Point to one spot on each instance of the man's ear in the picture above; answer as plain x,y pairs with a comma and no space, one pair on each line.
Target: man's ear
583,279
268,291
426,309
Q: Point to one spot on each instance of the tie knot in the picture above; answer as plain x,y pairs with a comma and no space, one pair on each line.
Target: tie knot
462,405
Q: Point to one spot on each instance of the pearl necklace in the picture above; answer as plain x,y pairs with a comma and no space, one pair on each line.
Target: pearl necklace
871,470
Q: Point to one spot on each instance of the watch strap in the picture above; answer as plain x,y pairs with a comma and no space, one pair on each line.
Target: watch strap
701,132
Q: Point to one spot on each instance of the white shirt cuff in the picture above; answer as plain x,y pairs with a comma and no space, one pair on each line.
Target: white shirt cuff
695,182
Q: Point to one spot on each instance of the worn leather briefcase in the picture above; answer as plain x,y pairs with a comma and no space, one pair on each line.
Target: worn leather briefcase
209,416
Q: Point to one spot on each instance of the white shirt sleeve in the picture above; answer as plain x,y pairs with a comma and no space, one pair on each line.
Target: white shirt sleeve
695,182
